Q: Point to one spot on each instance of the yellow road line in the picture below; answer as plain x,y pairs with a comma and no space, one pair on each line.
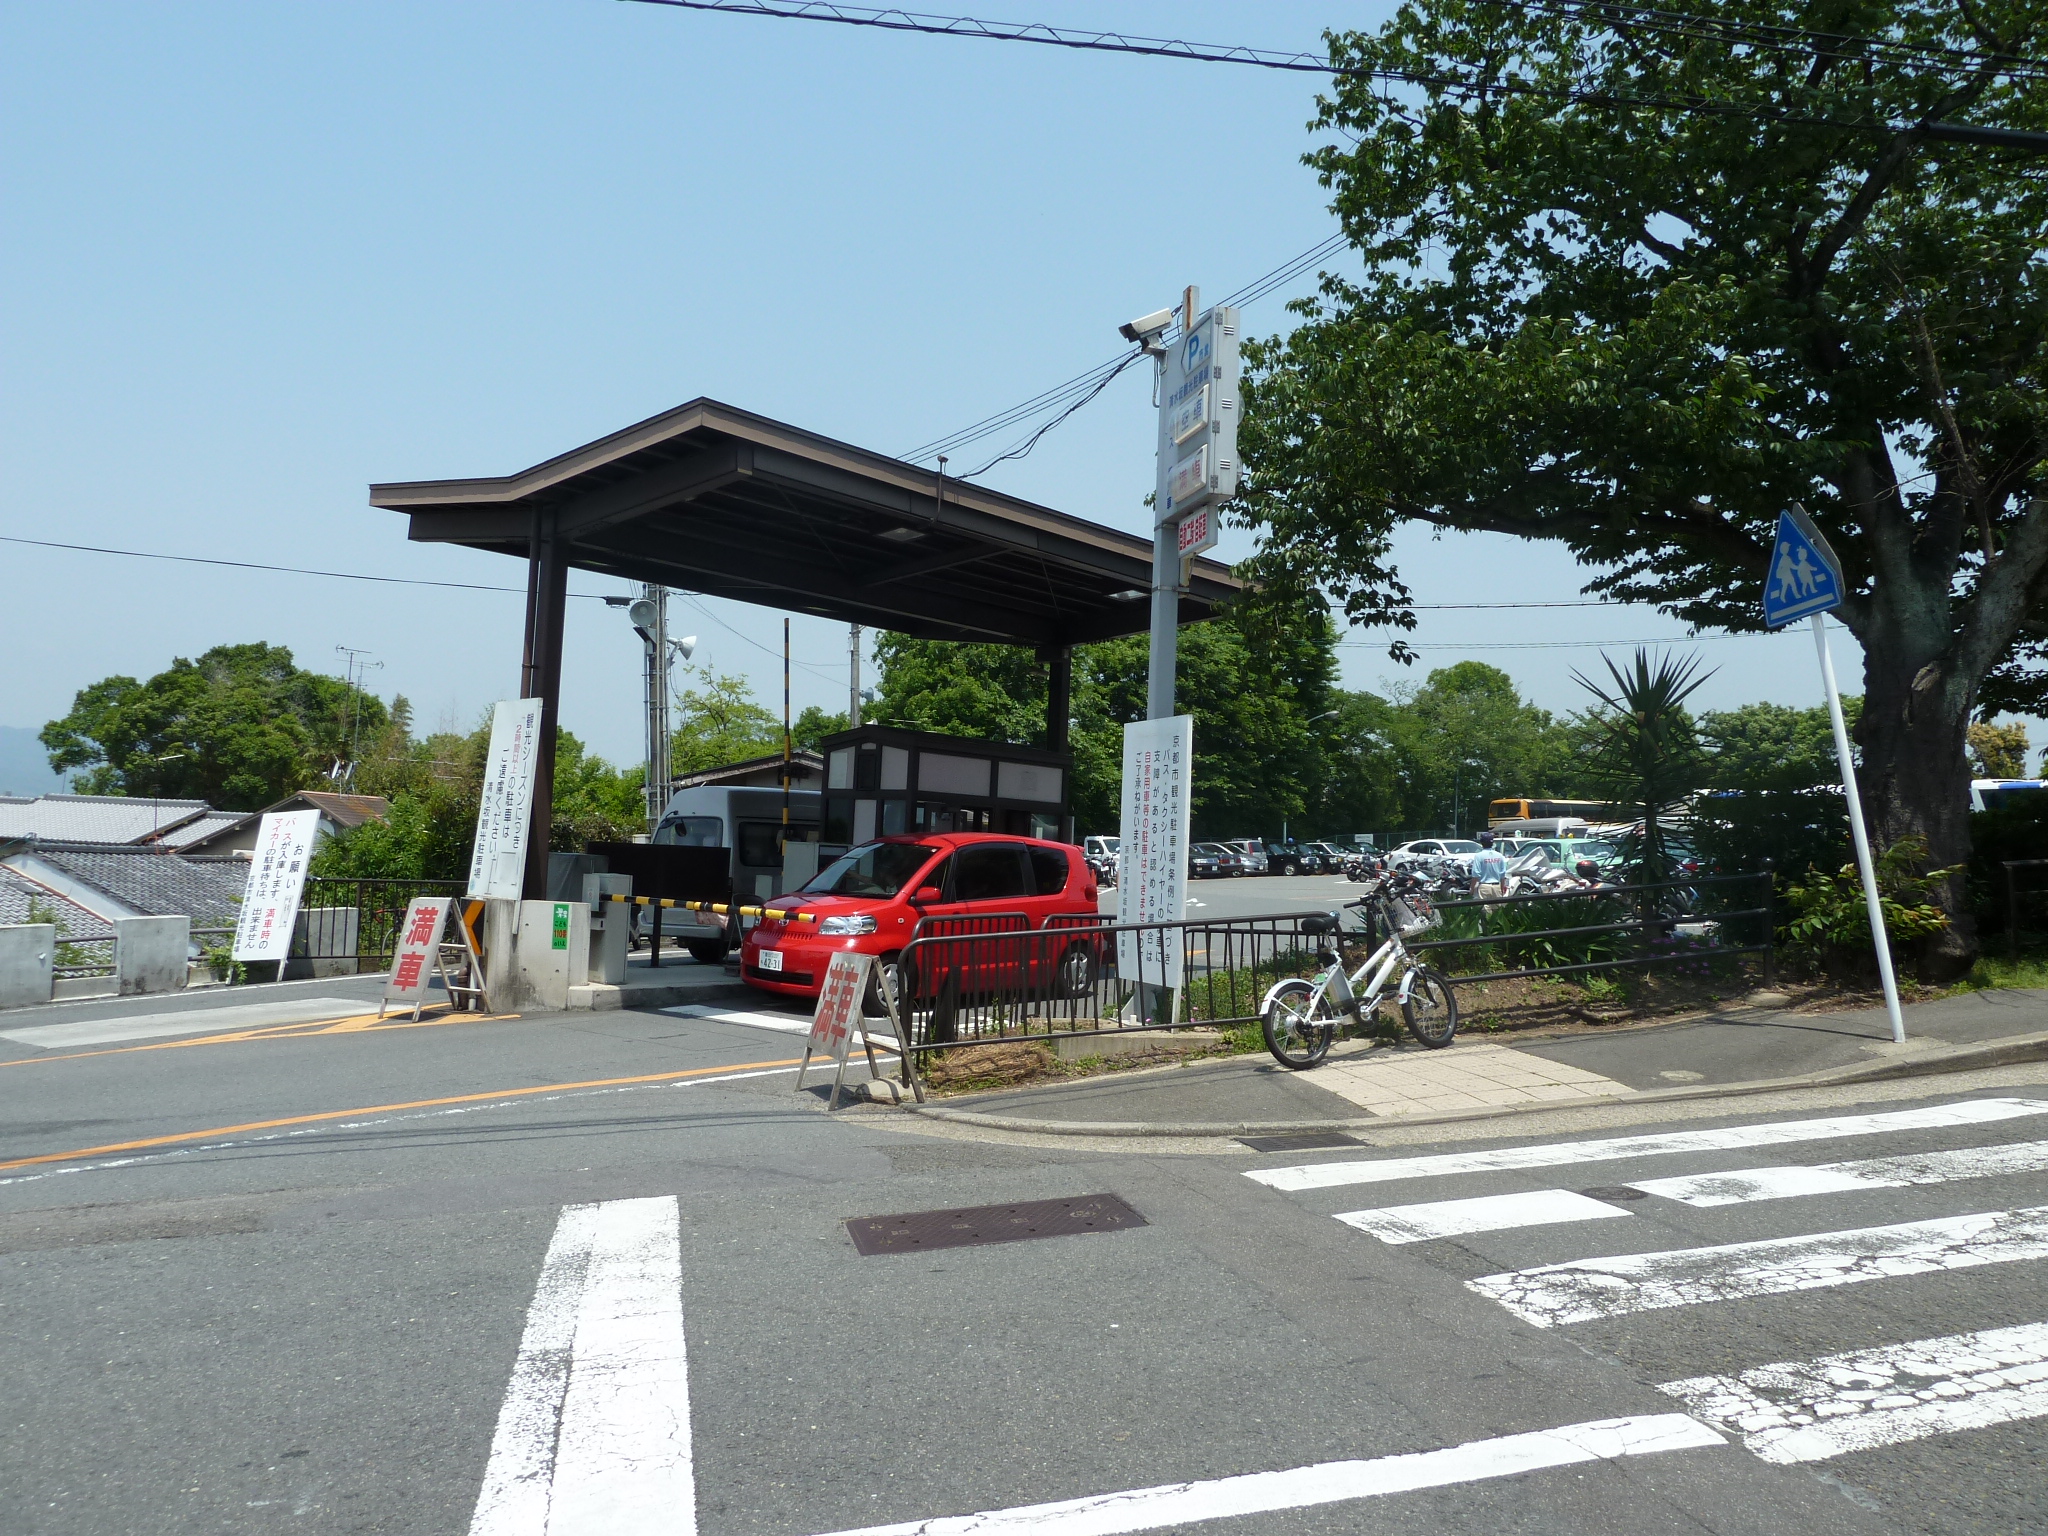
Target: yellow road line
306,1029
380,1109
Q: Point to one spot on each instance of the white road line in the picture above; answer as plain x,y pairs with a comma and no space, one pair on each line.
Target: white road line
1811,1410
1488,1213
1730,1138
1330,1482
1585,1289
1747,1184
785,1023
594,1435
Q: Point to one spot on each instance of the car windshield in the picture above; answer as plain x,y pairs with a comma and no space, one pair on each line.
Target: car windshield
1592,850
1461,846
873,869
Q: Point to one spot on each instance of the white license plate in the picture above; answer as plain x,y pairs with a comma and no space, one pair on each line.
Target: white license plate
771,959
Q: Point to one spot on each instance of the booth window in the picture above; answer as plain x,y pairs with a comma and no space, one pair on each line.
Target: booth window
839,769
949,774
895,767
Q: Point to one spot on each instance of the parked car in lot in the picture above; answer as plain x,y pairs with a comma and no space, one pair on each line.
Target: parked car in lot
1422,850
1291,859
1228,861
1203,863
871,898
1333,858
1250,851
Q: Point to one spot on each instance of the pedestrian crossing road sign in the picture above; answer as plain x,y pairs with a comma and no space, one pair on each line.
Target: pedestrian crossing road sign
1805,577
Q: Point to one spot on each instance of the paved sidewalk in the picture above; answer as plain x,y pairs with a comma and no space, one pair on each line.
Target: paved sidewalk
1361,1083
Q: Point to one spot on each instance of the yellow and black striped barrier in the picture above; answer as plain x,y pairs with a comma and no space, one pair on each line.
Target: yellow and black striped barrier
779,913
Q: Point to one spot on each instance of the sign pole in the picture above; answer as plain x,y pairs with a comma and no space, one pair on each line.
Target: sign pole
1856,830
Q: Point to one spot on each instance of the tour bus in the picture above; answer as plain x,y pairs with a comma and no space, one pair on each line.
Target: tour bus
1996,794
749,822
1545,818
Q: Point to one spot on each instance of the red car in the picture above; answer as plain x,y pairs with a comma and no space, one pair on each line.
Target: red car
871,898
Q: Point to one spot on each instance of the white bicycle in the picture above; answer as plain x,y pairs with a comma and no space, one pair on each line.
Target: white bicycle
1300,1016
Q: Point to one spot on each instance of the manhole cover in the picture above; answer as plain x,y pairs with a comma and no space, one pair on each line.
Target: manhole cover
1613,1192
919,1231
1310,1143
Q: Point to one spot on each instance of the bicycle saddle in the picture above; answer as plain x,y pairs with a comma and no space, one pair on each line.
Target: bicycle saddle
1320,922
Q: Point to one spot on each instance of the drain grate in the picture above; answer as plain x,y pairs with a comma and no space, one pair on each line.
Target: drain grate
920,1231
1310,1143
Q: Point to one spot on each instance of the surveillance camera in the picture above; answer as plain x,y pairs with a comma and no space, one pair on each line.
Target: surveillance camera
1147,329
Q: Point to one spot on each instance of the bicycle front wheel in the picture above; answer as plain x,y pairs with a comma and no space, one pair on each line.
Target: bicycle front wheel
1299,1025
1431,1009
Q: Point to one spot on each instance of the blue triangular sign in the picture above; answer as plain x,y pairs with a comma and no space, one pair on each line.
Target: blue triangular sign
1805,577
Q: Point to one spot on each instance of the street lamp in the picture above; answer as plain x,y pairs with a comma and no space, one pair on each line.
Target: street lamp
648,614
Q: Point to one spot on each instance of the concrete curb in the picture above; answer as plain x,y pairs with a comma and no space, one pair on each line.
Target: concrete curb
2013,1050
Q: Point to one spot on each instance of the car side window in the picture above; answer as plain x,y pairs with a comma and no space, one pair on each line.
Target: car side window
1048,871
989,872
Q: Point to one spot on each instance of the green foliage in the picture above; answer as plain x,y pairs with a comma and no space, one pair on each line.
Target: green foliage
813,725
1641,332
41,911
1998,751
1774,789
241,728
594,802
1772,746
2017,830
1830,920
719,721
1511,919
1642,748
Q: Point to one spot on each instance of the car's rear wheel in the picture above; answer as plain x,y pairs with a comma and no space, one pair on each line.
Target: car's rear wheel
706,951
1076,974
888,968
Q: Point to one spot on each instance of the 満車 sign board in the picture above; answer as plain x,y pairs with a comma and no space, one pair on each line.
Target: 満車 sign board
497,869
1805,578
1197,531
414,953
1153,884
277,876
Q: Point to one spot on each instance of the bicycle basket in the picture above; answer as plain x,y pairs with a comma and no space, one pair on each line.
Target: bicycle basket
1413,913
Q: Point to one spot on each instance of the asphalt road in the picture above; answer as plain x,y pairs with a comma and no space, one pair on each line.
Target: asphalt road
592,1273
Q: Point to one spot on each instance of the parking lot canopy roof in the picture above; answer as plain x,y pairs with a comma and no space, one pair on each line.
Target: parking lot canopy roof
714,499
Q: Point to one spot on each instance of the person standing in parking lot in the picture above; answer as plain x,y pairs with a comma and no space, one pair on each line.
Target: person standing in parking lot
1489,870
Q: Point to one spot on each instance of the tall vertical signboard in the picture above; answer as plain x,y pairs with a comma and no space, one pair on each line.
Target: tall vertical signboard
277,878
1198,425
1152,886
497,869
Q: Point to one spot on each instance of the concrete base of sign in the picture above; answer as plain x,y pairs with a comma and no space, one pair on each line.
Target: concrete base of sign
27,953
72,989
533,963
151,953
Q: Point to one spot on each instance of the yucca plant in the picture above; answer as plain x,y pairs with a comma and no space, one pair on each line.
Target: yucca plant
1643,749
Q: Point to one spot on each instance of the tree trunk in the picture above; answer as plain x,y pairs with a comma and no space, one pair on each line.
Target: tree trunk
1915,776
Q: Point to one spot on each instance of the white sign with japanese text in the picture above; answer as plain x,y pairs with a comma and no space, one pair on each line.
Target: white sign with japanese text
1152,887
277,876
838,1013
497,869
412,957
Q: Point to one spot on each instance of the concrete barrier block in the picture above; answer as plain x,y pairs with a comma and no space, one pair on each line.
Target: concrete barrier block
150,953
324,944
27,955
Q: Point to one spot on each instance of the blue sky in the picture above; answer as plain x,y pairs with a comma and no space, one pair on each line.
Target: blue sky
258,256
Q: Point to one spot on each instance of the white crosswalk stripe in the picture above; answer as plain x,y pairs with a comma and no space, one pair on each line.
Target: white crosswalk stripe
1486,1213
1811,1410
1788,1411
1585,1289
1745,1185
1726,1139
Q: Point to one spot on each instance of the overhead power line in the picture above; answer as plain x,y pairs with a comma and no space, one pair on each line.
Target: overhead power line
1309,63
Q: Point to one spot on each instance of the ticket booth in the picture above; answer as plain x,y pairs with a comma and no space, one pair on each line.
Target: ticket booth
880,780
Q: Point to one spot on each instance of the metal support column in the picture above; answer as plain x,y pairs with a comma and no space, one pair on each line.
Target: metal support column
547,592
1059,695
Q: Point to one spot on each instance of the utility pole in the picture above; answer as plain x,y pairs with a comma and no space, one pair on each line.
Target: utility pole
654,632
355,670
853,674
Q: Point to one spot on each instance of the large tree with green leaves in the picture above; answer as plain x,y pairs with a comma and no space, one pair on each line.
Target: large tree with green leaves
1636,287
240,727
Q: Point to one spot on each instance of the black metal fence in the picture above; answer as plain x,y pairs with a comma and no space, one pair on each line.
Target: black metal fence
963,981
1677,923
347,926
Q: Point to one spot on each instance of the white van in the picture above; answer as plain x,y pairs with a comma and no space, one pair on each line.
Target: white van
749,822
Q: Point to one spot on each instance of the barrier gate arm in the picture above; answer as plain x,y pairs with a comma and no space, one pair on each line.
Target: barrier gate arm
719,907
